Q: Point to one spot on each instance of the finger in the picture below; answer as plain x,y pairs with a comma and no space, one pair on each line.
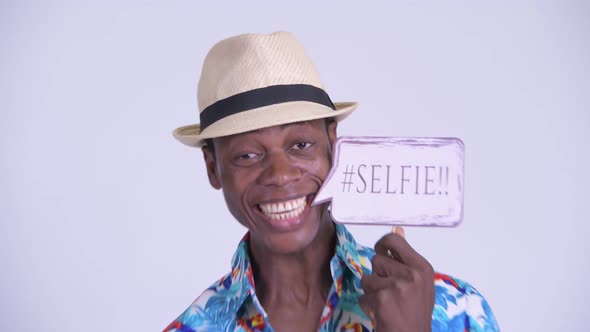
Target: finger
381,306
397,245
385,266
367,306
372,283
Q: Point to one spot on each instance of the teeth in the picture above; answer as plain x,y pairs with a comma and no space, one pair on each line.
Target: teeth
284,210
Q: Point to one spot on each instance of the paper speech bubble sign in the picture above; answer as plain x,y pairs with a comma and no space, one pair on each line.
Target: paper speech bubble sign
396,181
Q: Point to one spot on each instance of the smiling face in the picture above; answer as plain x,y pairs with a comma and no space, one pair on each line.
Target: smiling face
269,178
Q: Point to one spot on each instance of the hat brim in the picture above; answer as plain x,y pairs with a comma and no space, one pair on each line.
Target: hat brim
262,117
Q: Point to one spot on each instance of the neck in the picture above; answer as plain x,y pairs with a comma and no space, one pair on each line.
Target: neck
301,278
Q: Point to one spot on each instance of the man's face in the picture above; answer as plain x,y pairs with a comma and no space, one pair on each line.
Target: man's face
269,178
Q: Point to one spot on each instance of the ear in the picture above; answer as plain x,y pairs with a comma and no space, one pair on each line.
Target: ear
332,132
211,164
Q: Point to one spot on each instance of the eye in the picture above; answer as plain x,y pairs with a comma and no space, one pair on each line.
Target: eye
247,156
301,146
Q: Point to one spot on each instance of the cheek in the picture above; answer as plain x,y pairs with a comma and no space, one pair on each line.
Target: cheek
235,191
318,169
322,166
235,206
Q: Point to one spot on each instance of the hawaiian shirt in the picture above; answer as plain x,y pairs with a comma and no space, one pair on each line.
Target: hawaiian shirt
230,304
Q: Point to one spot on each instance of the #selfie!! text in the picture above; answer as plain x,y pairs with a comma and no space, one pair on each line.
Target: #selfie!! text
396,179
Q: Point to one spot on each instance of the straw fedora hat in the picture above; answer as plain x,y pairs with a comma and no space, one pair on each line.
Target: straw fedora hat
253,81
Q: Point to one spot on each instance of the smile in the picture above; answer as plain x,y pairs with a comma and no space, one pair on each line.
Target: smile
284,210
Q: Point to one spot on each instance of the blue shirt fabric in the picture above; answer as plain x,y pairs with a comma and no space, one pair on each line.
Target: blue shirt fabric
230,304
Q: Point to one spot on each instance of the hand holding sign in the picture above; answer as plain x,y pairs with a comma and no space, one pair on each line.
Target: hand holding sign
399,181
396,181
399,295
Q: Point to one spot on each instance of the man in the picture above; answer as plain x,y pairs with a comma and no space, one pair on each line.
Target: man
266,130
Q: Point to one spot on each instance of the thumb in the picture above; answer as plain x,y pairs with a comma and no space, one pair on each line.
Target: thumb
366,306
399,231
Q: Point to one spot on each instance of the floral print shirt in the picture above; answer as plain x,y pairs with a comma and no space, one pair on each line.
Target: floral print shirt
230,304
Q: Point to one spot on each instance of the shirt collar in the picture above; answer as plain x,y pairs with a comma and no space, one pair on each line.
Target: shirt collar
354,256
242,277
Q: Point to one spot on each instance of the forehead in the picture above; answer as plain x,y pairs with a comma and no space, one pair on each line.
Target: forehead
274,131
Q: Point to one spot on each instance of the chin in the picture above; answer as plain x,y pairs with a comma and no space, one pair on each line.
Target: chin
292,242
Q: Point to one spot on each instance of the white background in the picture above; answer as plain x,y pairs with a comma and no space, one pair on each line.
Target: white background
107,223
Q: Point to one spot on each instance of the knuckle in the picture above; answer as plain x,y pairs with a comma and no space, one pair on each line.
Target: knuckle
374,260
428,268
364,281
416,276
383,298
407,290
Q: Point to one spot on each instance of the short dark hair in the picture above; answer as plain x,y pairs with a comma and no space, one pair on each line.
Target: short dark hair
209,143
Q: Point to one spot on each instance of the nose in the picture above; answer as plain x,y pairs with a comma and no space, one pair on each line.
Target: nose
279,170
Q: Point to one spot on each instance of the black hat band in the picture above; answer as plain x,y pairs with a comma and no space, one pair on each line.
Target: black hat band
261,97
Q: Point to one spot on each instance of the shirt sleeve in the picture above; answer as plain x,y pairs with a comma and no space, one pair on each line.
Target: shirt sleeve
459,307
478,314
199,316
